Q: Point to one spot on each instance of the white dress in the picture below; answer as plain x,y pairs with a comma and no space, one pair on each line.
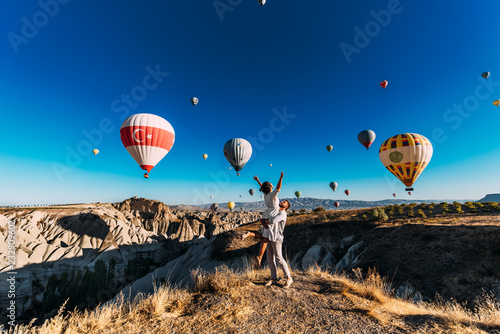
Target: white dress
272,202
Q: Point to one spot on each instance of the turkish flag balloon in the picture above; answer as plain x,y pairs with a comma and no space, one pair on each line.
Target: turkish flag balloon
148,138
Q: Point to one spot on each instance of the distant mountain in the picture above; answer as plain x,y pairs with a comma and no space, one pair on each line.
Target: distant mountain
309,203
490,198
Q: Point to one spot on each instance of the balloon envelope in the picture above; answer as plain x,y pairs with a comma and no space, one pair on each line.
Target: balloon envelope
95,151
237,151
496,102
252,191
329,148
148,138
394,194
347,192
262,2
366,138
298,193
485,75
194,101
230,205
205,156
384,84
333,185
406,156
337,204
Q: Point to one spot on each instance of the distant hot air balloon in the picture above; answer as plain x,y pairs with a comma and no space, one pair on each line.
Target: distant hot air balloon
194,101
237,151
336,204
496,102
95,151
205,156
148,138
347,192
333,185
251,191
366,138
384,84
485,75
146,175
211,196
409,193
270,165
230,205
394,194
297,194
262,2
329,148
406,156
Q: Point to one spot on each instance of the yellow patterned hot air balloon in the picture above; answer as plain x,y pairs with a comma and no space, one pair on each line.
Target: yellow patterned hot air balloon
496,103
230,205
406,156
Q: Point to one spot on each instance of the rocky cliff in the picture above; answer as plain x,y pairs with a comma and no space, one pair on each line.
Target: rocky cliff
65,240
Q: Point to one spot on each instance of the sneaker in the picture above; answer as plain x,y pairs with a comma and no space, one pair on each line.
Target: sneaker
288,283
271,282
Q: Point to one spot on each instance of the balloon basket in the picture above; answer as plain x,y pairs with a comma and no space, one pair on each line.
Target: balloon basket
408,189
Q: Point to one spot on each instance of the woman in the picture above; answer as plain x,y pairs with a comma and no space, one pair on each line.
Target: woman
272,202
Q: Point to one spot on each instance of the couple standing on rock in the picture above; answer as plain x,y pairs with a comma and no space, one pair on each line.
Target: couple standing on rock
273,224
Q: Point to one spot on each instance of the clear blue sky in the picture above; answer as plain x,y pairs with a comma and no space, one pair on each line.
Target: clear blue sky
67,67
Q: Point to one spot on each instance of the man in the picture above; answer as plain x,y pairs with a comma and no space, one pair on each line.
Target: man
274,248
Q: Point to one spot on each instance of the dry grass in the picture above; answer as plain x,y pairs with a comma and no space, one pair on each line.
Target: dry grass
373,294
229,302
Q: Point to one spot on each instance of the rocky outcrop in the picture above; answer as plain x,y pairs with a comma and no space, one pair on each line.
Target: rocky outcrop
58,241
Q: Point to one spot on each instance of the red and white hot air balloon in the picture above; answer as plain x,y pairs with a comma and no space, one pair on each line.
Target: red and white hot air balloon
148,138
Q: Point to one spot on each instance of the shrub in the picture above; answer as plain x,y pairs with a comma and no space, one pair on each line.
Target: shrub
411,213
319,209
421,213
302,211
401,210
364,217
378,214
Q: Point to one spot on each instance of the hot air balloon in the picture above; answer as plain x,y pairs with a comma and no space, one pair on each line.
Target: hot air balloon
409,193
329,148
297,194
333,185
230,205
146,175
336,204
366,138
496,102
347,192
237,151
95,151
205,156
251,191
148,138
194,101
406,156
485,75
211,196
384,84
262,2
394,194
270,165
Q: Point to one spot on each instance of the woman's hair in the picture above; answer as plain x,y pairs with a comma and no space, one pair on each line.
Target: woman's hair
266,187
